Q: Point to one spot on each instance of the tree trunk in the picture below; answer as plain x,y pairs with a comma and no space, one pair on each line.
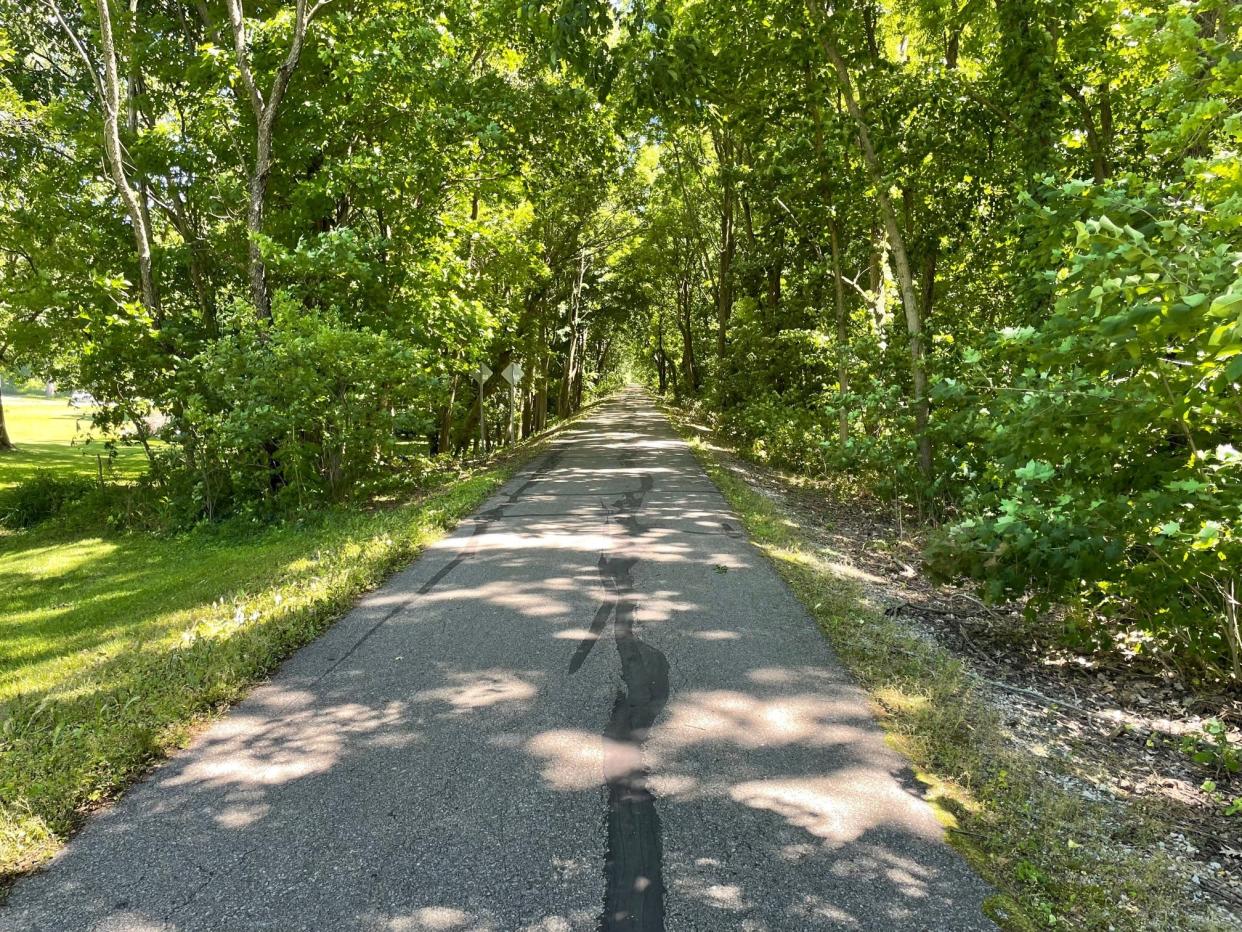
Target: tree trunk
1098,143
114,157
5,443
661,357
257,270
875,278
773,274
689,362
901,259
728,244
565,398
843,329
265,113
446,418
579,376
541,396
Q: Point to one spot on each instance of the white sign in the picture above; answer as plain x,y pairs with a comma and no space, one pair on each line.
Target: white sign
483,373
512,373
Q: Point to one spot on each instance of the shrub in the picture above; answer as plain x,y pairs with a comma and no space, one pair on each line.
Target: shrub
1111,479
306,411
40,497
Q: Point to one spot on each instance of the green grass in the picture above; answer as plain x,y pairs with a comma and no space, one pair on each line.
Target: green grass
112,648
1056,859
50,435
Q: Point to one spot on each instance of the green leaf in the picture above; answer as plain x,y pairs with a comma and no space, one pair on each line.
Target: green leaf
1035,471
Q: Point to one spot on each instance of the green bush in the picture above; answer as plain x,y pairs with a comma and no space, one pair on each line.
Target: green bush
303,412
41,497
1110,477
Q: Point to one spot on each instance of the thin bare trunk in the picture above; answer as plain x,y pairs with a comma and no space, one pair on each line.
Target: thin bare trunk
446,418
109,90
5,443
579,375
843,329
728,240
265,114
897,244
565,399
1097,141
661,356
689,362
875,277
1233,630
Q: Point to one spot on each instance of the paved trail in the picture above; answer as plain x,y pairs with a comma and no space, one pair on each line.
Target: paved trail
594,707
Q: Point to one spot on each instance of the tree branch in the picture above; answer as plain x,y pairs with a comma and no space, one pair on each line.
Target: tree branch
54,8
241,51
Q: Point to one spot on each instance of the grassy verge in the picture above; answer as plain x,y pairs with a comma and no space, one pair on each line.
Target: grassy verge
1057,858
112,650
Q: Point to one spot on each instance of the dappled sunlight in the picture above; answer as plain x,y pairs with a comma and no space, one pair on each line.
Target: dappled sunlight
531,601
451,919
819,907
744,720
838,808
850,571
262,751
572,760
671,785
249,753
517,542
439,919
126,921
806,677
725,896
558,924
467,692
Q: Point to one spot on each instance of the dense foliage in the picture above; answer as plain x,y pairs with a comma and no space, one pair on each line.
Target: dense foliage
985,259
982,259
285,236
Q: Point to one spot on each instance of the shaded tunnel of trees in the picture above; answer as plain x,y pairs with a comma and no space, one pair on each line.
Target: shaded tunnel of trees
981,258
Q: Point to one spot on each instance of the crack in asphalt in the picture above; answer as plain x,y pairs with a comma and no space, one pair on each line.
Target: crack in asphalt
486,520
634,858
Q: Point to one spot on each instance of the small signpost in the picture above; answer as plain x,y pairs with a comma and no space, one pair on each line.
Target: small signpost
512,374
481,375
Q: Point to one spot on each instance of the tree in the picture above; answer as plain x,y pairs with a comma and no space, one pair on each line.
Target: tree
266,109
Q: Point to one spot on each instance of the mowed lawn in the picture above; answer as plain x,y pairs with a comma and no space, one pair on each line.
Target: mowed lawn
51,435
113,645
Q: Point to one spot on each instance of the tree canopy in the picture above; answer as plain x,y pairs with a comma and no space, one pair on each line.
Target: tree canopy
983,260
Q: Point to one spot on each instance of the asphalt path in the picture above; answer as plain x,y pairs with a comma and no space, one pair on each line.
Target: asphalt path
595,706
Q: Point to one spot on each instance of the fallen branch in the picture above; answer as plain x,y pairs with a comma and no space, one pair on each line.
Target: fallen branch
1032,694
930,610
